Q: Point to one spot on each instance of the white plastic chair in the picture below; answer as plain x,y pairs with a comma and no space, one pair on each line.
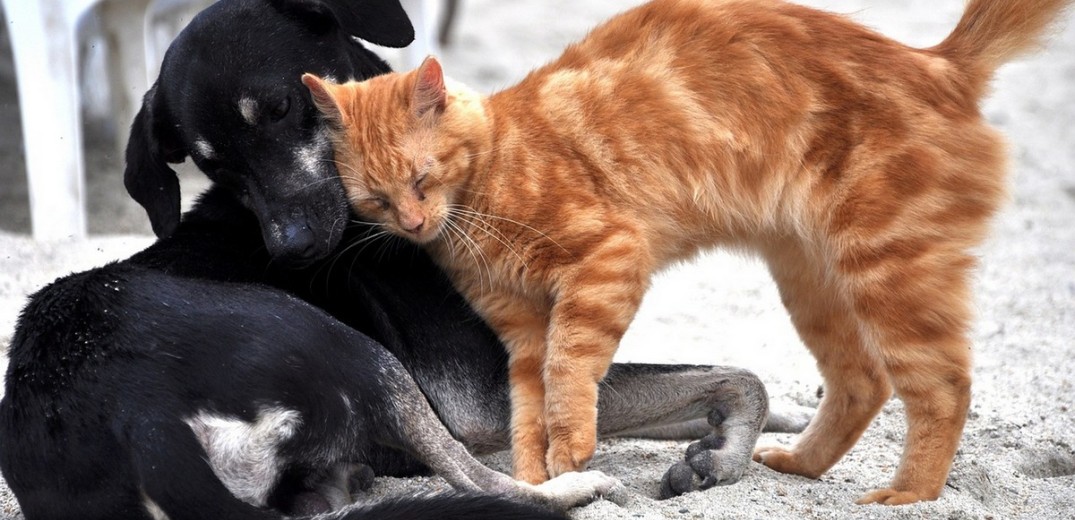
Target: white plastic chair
44,43
423,15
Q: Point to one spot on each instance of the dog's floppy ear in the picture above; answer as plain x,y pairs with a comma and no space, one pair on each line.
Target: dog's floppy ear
148,178
383,22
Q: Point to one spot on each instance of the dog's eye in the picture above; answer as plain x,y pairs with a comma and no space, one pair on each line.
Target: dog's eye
281,109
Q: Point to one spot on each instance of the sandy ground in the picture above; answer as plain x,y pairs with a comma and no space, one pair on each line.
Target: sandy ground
1017,458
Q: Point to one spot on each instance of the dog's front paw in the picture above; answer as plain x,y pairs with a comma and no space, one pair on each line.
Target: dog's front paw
704,466
580,488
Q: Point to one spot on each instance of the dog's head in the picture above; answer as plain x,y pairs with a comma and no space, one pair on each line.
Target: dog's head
229,96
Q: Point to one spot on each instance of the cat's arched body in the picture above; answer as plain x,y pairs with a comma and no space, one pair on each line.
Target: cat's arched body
860,169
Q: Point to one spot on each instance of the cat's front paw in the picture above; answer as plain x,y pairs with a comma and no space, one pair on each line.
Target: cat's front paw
570,449
704,466
530,471
894,497
785,461
580,488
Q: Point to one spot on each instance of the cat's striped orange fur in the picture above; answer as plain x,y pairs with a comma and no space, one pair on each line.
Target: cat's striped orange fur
860,169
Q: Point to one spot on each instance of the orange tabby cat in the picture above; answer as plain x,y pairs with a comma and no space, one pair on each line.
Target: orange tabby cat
858,168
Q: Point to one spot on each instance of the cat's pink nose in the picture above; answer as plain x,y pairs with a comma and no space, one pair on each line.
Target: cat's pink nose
414,225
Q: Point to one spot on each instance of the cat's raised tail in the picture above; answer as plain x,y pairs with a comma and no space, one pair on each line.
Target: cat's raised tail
993,32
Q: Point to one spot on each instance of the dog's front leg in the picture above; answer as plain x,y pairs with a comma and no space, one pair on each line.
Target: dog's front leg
726,407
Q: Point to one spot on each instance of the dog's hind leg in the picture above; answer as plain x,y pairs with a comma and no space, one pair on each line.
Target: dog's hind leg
726,407
175,474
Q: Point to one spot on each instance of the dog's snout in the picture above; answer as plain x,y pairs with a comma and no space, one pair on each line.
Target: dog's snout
296,242
302,231
299,238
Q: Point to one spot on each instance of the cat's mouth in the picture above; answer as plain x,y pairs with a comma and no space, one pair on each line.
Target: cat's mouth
423,234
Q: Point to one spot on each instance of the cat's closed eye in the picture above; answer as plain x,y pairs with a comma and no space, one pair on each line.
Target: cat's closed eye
418,190
375,202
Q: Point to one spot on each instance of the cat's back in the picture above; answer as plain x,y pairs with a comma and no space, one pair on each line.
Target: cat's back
678,25
677,68
707,40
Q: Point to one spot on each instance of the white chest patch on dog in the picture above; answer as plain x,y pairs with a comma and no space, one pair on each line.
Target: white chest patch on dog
203,148
244,454
248,108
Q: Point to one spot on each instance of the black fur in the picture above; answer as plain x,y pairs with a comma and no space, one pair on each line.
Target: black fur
261,297
107,364
450,507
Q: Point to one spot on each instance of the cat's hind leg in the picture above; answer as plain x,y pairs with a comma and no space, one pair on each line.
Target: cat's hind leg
916,311
856,383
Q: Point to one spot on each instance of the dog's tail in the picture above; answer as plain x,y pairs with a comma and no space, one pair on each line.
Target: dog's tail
993,32
176,478
445,506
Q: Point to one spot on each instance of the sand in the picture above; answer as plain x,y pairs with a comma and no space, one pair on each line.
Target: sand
1017,458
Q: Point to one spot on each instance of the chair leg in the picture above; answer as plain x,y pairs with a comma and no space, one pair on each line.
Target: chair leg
425,38
44,47
122,24
447,22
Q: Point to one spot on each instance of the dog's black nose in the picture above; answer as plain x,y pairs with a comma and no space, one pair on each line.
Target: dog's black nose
297,242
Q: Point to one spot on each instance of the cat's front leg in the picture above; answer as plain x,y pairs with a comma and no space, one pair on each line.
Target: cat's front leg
591,313
529,442
522,327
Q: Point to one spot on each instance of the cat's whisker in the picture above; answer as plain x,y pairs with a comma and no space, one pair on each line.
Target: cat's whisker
314,183
490,151
461,238
375,224
476,254
348,166
363,241
471,211
349,172
366,242
325,265
471,247
488,229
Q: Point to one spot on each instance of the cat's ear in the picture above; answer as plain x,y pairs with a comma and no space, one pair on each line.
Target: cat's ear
430,96
325,96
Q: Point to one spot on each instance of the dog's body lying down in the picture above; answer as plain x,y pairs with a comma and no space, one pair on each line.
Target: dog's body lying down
207,377
132,390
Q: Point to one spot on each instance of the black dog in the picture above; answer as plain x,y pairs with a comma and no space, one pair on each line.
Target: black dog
187,380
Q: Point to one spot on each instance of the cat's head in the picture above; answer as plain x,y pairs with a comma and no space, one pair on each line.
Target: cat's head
403,146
